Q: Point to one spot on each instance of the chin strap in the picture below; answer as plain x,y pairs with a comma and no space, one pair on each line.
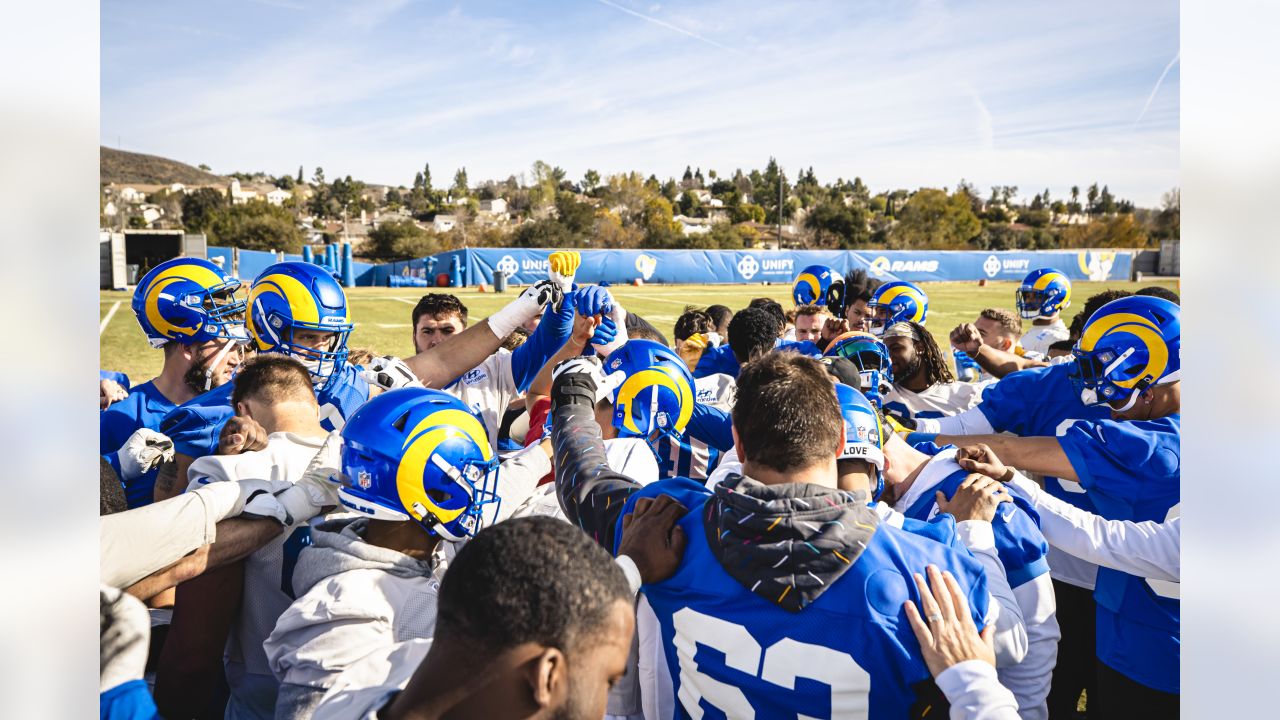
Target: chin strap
213,365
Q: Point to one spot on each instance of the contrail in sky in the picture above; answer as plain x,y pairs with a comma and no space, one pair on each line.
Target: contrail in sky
1156,89
666,25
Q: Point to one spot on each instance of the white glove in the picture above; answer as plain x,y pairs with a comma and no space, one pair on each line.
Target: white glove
318,487
619,316
588,365
389,373
145,449
563,266
526,307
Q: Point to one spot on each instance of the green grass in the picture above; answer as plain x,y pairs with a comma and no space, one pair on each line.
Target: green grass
382,315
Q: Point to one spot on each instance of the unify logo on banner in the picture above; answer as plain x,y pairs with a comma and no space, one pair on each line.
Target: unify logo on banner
510,267
749,266
993,266
881,265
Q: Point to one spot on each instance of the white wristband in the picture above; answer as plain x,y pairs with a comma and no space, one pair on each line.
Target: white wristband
511,316
631,571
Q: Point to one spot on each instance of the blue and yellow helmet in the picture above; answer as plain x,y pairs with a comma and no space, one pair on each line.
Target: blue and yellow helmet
1043,293
421,455
863,433
292,296
1127,346
651,390
870,355
895,302
189,300
819,285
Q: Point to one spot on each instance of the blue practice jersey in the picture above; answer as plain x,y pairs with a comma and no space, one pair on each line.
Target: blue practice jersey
721,360
195,425
1132,471
849,653
689,458
120,378
145,407
1019,544
127,701
1041,402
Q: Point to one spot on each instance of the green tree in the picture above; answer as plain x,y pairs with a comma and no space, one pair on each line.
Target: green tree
746,212
590,181
401,240
1093,199
460,188
298,180
933,219
255,225
548,233
198,208
834,223
578,218
204,167
660,229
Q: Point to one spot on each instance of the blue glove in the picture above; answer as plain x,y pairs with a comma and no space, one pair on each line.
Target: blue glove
592,300
606,332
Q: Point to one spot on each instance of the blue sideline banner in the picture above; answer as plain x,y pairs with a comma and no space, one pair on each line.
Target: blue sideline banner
474,266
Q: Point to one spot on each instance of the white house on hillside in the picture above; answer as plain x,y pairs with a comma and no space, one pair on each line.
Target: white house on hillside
496,206
130,195
693,226
240,197
278,196
444,223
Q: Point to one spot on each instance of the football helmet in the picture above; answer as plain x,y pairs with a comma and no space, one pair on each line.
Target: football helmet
421,455
189,300
871,356
292,296
895,302
1043,293
1127,346
864,434
819,285
651,390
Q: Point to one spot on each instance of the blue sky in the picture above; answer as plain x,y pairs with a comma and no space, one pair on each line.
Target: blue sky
904,94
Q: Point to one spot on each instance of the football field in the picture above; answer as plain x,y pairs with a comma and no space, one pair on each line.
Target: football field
383,315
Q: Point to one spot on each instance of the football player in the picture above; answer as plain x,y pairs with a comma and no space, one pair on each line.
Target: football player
923,386
858,291
422,478
895,302
186,307
776,558
989,339
1128,364
1041,298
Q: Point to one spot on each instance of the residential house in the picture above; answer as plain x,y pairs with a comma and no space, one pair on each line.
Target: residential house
718,214
496,206
240,197
444,223
130,195
178,188
693,226
278,196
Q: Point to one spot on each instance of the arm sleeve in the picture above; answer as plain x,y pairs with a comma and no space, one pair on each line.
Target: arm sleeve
550,336
591,494
712,426
1011,631
136,543
969,422
975,693
1146,549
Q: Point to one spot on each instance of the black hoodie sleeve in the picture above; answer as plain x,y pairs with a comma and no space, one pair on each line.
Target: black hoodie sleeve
591,494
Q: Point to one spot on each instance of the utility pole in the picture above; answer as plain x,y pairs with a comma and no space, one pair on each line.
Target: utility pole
779,207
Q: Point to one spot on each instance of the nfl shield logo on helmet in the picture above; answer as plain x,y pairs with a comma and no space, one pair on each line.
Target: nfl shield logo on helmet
364,480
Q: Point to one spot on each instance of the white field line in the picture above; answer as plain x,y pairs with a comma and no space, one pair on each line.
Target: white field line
650,298
110,314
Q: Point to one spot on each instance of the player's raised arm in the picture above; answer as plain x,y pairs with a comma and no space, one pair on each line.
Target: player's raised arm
591,494
437,366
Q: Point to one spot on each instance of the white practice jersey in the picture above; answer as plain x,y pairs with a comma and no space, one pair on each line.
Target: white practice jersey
358,599
629,456
938,400
266,570
716,390
488,390
1040,337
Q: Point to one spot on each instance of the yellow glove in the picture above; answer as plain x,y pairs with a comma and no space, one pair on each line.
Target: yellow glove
563,266
691,349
